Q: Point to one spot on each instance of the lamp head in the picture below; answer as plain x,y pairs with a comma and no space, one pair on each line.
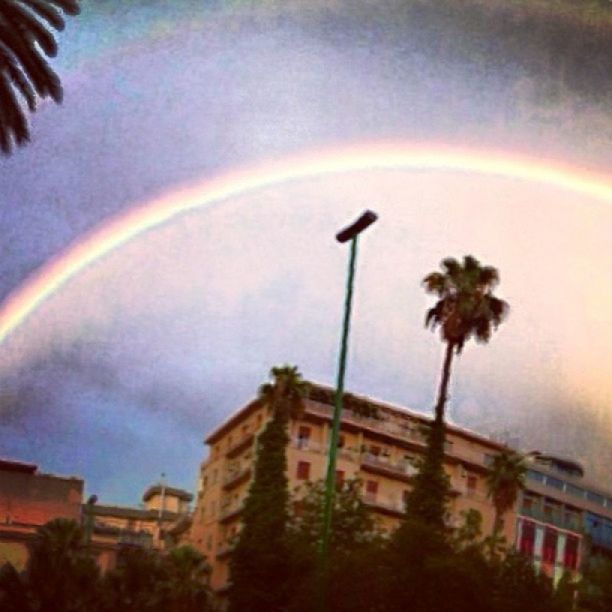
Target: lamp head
364,221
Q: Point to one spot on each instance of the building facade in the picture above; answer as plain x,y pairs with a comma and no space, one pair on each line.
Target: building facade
379,444
28,500
158,524
562,516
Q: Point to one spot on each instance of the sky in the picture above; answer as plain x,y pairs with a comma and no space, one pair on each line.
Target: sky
119,374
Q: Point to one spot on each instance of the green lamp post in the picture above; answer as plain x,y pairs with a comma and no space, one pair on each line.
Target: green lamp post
350,233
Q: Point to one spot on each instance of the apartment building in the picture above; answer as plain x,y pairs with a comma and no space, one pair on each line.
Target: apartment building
562,516
379,444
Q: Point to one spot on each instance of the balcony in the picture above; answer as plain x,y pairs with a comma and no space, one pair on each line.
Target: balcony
388,506
236,477
230,511
552,518
242,444
322,449
225,549
377,464
411,433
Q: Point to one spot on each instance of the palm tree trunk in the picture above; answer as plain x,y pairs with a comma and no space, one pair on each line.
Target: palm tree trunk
443,389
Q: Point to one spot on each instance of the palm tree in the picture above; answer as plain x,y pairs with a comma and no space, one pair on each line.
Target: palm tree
25,40
466,308
60,573
504,481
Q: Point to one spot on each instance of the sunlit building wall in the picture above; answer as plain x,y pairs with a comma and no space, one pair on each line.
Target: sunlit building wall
379,444
28,500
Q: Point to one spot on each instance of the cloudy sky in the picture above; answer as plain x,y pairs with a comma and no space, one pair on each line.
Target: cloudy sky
120,373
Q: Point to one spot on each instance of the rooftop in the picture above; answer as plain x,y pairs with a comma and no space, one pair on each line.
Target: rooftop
170,491
324,394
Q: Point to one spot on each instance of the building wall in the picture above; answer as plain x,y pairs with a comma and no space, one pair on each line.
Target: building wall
28,500
557,510
380,452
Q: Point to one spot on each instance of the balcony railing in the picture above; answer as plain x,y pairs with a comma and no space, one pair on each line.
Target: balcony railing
400,468
235,477
412,432
244,442
386,505
552,518
230,510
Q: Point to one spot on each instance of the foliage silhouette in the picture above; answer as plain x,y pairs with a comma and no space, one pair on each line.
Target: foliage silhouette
25,75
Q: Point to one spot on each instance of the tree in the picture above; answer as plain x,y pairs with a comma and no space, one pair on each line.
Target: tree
595,589
356,544
60,574
260,562
185,586
466,308
25,40
504,481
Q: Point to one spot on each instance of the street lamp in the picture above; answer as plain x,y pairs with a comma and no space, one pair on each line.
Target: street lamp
348,233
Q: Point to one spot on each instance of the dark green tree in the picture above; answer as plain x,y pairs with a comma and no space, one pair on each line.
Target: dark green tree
260,564
595,588
60,574
505,479
26,41
356,552
184,586
14,596
466,308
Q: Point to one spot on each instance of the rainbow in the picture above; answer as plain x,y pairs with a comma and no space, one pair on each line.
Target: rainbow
111,235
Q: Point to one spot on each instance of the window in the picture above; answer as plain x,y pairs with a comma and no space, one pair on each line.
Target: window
371,490
527,538
570,557
554,482
472,483
375,450
536,476
341,441
574,490
595,497
303,436
549,552
303,470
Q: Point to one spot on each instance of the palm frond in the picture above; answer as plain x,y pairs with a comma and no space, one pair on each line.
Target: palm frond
46,11
26,40
26,25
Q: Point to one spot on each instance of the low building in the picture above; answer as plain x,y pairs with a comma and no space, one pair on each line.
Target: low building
160,523
28,500
379,444
562,516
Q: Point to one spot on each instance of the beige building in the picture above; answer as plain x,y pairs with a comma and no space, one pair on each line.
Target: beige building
159,524
379,444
